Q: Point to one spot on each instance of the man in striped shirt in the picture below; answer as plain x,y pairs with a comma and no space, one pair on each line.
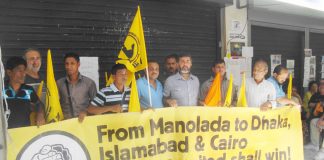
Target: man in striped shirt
115,97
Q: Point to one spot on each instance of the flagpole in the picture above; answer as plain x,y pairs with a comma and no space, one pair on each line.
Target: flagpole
3,117
148,86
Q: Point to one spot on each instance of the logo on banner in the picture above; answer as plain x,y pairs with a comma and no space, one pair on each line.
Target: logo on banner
54,145
131,49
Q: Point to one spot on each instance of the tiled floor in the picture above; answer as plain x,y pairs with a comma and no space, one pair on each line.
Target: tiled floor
309,154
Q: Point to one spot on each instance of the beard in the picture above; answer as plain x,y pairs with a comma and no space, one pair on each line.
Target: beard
185,70
33,69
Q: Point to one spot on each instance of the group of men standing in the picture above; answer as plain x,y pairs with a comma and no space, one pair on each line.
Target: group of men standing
178,87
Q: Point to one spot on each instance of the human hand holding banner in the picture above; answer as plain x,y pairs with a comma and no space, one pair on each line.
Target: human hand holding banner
206,133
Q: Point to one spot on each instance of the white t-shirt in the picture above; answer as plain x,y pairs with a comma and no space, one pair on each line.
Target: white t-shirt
257,94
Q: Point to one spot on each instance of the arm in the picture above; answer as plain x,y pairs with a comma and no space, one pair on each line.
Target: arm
286,101
320,122
201,96
305,103
40,119
38,107
97,105
312,102
92,94
170,102
100,110
167,95
266,106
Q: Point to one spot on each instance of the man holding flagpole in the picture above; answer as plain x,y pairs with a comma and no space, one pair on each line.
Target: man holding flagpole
156,94
133,56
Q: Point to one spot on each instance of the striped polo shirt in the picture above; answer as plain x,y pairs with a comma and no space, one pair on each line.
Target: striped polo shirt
111,96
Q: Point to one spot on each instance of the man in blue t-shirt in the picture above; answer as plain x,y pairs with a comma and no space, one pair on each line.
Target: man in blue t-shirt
155,98
280,75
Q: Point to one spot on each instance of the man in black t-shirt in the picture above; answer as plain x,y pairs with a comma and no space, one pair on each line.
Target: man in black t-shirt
21,99
33,76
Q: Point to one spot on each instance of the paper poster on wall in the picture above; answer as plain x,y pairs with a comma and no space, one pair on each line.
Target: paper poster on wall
236,26
309,70
312,68
275,60
89,67
236,49
247,52
237,67
308,52
291,66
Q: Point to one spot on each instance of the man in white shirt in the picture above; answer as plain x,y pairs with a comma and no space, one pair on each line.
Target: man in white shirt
260,92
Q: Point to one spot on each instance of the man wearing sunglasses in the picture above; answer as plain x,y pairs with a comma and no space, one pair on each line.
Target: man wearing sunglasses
21,98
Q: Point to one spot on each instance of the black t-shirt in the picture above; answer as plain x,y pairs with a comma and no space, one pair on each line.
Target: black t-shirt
20,105
34,82
315,99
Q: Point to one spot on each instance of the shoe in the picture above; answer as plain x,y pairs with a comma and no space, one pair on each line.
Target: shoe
319,155
311,146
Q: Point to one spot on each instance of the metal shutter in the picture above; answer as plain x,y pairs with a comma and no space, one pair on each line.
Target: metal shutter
288,43
98,28
316,43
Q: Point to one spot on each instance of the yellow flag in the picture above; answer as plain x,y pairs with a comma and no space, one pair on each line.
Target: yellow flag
289,89
109,80
129,78
106,78
40,90
133,52
241,100
214,95
33,114
228,55
228,99
53,110
134,104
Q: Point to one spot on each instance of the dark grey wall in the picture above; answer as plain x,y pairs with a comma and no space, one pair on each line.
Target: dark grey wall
98,28
316,43
288,43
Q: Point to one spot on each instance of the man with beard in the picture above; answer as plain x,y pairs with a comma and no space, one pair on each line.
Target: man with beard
154,98
182,88
33,77
280,74
171,67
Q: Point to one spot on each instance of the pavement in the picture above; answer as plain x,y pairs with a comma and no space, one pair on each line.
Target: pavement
309,154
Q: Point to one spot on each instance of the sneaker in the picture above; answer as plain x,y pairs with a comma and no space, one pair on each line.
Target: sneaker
319,155
311,146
